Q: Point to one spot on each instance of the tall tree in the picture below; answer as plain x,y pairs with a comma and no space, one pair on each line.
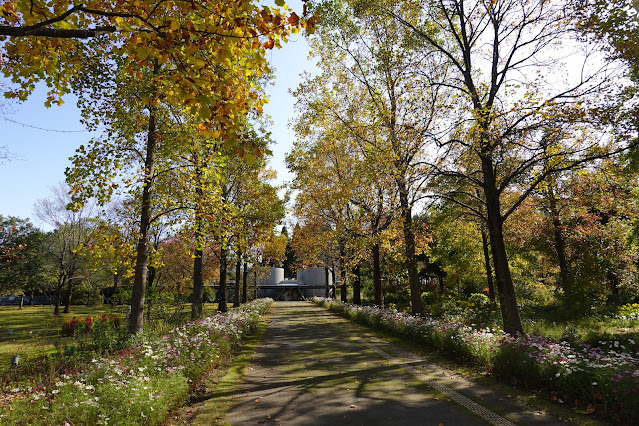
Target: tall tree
250,203
503,58
344,188
206,66
64,243
377,92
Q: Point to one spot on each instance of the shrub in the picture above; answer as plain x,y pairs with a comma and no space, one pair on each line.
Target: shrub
89,325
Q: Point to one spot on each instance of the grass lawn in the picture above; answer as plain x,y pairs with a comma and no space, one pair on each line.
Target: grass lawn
36,331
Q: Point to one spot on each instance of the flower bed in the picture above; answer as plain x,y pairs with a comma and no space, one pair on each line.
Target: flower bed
88,325
140,384
605,380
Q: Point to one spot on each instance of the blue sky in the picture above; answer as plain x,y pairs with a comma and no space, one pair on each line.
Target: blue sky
43,155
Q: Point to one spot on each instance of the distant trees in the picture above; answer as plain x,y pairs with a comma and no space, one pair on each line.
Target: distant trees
463,103
64,245
95,251
22,266
376,92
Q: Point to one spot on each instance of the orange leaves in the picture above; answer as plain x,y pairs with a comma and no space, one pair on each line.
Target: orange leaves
269,44
293,19
266,15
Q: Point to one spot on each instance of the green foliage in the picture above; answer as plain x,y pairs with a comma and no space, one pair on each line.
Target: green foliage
79,403
535,294
22,264
165,309
105,332
458,248
122,296
108,334
475,309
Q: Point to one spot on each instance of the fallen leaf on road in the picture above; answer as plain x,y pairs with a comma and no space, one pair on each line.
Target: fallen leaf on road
352,406
278,420
268,416
436,399
261,421
258,401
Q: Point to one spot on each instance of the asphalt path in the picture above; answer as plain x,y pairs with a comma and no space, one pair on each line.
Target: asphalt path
316,368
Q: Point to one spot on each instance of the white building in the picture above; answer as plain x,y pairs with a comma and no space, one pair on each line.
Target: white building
310,282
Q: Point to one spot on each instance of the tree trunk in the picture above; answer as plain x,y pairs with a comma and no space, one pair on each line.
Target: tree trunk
21,302
67,302
198,280
342,271
357,286
238,272
487,265
31,299
136,318
378,295
505,287
326,278
198,285
417,306
222,307
613,280
62,278
560,245
255,280
150,277
245,283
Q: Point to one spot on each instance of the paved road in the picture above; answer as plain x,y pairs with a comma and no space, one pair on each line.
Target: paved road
315,368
